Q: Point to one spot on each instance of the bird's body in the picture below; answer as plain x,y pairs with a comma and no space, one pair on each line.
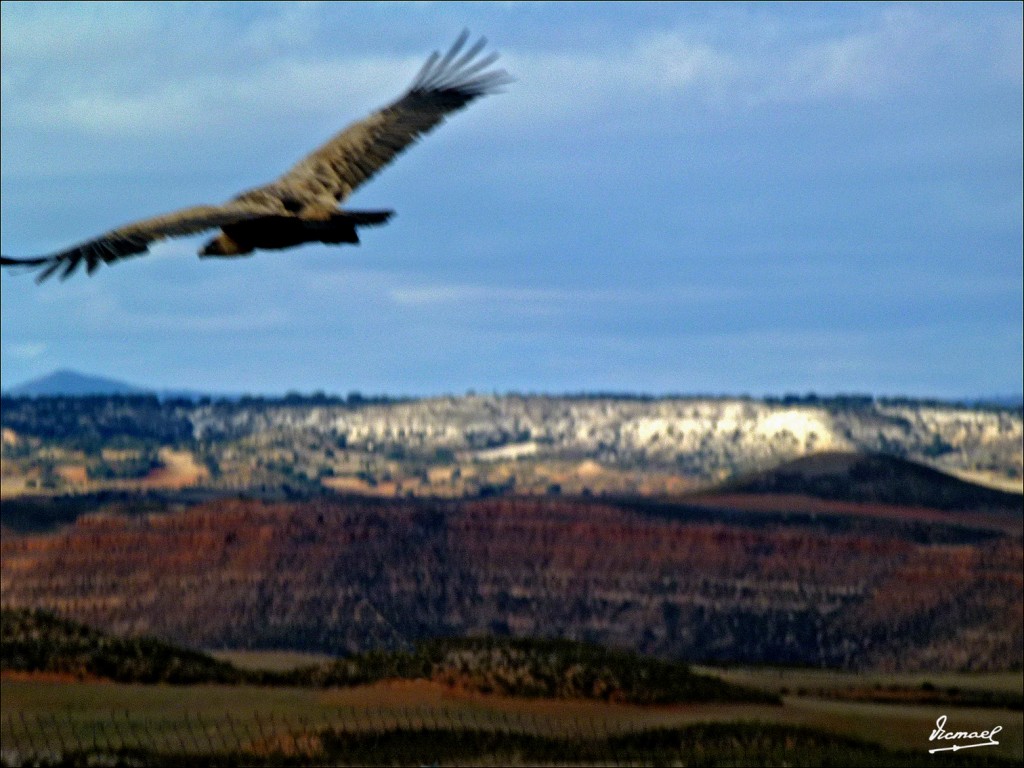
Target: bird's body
277,232
302,205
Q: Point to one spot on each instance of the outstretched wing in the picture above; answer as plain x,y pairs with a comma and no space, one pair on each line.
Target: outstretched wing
133,239
444,85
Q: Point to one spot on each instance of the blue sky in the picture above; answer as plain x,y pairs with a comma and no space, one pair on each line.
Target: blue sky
679,198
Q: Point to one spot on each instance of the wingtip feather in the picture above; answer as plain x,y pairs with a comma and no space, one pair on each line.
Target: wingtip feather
463,75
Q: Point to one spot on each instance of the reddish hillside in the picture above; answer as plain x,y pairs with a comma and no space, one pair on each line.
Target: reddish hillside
342,576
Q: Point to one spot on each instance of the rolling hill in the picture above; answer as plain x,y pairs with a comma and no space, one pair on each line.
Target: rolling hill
695,583
874,478
40,643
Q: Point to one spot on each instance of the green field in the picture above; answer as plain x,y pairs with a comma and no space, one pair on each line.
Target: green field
273,661
785,679
41,715
72,695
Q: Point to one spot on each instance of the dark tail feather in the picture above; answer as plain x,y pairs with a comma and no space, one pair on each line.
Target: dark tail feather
341,227
364,218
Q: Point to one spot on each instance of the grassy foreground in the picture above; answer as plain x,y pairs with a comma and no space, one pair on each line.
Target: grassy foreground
75,696
424,736
275,723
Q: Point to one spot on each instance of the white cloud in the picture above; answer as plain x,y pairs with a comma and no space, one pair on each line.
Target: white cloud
167,70
460,294
482,294
29,350
886,53
66,70
52,32
671,61
865,63
253,320
553,86
282,90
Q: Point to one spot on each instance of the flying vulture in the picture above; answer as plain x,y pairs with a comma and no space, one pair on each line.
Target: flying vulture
302,205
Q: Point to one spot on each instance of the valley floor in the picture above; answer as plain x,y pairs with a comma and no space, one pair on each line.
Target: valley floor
44,714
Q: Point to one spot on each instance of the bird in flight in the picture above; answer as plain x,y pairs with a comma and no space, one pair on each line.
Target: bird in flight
302,206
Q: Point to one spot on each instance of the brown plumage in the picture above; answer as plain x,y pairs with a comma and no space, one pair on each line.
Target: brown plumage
302,205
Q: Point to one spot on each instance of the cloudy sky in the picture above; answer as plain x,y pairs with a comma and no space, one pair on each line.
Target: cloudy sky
684,198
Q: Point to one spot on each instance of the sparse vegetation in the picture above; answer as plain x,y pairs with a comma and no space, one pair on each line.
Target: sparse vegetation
37,641
411,738
554,669
90,723
511,444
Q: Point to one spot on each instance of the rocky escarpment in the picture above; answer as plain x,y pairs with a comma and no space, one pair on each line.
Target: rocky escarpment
844,590
56,443
702,433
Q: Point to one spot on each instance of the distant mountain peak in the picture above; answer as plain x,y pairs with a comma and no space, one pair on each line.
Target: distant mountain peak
66,382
